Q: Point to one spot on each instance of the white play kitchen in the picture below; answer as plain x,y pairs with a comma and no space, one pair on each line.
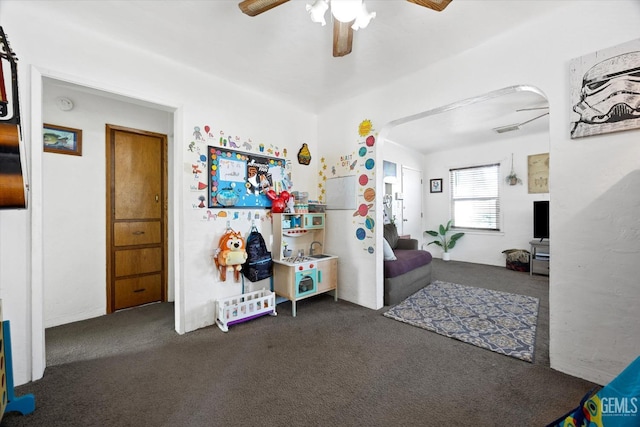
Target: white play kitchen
301,269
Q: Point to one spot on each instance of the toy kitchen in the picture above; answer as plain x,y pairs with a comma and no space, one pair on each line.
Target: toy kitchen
300,267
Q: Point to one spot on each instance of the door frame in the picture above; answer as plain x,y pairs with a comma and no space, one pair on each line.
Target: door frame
33,126
109,196
406,196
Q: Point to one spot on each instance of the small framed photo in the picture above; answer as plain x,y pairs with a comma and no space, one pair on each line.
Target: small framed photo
62,140
436,185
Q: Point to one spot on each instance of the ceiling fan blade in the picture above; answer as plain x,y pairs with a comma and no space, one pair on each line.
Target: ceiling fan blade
532,108
256,7
342,38
437,5
535,118
516,126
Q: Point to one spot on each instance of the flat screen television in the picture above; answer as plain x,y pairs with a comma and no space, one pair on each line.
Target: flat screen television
541,219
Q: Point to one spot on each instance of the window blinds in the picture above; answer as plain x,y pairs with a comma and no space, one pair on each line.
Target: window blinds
475,199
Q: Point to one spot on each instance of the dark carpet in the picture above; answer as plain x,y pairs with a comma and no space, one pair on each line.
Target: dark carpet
335,364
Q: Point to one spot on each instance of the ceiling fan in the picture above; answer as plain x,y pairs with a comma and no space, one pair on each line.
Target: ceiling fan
342,30
516,126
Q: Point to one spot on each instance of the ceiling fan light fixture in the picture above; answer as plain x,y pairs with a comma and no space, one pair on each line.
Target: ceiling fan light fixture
363,18
317,11
348,16
346,10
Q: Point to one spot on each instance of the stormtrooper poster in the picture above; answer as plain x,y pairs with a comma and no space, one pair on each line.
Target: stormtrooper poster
605,90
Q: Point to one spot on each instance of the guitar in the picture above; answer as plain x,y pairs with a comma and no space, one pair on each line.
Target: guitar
12,185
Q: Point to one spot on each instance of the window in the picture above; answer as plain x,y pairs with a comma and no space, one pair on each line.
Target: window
475,202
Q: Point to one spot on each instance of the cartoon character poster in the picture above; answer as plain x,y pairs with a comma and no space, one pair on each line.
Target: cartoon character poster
241,179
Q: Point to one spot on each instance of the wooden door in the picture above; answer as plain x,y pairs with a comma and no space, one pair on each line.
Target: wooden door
136,217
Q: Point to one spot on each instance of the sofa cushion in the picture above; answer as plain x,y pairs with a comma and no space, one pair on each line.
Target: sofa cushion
388,252
391,235
407,260
406,244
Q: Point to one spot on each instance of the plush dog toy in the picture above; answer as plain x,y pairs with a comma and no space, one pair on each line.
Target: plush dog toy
231,253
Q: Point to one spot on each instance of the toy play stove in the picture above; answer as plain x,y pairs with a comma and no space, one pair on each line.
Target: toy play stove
297,259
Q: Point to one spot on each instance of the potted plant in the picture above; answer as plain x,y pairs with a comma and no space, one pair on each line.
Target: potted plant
444,241
512,178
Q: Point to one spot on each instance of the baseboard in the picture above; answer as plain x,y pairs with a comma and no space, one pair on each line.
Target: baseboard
585,372
75,317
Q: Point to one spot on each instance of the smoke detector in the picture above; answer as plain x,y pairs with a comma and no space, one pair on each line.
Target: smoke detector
65,104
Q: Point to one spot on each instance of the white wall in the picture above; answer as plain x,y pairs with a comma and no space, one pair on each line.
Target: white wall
593,283
356,254
74,188
99,63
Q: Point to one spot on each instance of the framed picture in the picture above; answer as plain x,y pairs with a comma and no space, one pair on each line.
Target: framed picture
436,185
538,166
62,140
604,89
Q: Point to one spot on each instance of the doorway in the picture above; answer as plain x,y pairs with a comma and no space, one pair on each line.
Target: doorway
136,247
442,135
68,231
412,203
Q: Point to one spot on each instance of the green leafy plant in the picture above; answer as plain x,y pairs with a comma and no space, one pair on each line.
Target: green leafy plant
443,241
513,179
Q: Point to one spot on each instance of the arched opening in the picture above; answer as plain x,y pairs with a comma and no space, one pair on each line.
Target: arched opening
510,123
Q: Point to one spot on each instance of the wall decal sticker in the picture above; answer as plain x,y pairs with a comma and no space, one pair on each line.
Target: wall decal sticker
365,127
371,140
197,135
304,155
323,178
366,193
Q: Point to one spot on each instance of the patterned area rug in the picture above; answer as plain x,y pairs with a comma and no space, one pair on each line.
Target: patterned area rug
498,321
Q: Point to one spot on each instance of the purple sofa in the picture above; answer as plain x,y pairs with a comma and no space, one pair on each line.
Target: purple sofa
409,273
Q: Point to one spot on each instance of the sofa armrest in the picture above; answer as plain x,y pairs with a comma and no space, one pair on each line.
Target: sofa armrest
407,244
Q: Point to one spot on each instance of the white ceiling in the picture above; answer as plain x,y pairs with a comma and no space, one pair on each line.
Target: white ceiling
474,120
282,53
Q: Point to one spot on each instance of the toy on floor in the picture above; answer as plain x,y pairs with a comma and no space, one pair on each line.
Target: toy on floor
242,308
9,402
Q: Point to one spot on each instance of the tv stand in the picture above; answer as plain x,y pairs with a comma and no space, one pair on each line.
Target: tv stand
539,257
